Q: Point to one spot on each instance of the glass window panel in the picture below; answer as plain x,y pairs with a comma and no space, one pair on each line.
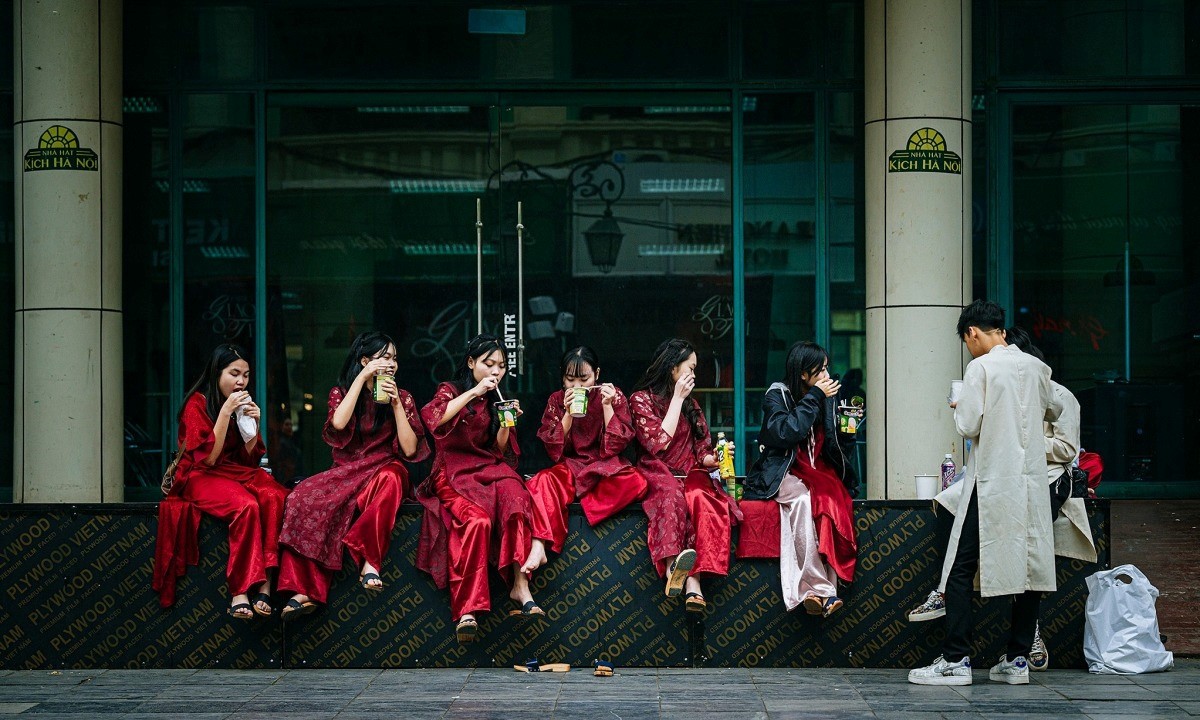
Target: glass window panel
780,200
410,40
1106,38
847,255
1101,243
801,40
150,41
219,43
7,293
661,40
6,58
218,226
149,417
371,226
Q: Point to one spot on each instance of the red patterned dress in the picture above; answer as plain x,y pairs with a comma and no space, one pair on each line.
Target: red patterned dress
694,512
367,478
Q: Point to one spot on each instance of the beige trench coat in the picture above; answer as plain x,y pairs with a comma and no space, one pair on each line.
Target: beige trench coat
1072,532
1005,400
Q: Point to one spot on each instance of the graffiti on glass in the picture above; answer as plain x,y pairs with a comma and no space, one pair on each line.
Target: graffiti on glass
1089,327
230,317
715,317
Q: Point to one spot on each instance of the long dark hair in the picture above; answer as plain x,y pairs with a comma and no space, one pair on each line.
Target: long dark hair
1016,335
803,357
574,360
657,378
478,348
366,345
209,382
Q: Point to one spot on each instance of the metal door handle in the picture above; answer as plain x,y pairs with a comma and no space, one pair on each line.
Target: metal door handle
479,266
520,292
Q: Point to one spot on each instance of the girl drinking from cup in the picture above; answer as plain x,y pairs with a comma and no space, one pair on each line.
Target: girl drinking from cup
803,467
372,425
219,474
694,512
473,496
585,427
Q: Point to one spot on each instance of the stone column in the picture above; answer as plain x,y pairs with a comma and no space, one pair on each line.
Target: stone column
68,431
918,226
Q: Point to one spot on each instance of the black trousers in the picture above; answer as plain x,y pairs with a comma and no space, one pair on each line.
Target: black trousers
959,589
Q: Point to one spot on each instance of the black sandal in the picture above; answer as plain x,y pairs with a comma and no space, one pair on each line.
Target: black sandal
465,630
266,600
694,602
529,608
295,609
234,612
365,580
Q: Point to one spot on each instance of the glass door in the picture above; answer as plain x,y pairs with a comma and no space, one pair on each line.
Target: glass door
400,213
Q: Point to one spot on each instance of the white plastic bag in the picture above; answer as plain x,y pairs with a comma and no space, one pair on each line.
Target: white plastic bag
1120,635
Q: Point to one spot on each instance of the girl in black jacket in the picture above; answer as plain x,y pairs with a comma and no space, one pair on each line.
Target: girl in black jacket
803,467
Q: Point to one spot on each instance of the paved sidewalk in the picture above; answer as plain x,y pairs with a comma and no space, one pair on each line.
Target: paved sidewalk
710,694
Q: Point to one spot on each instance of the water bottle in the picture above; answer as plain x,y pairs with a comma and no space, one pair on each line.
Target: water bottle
948,471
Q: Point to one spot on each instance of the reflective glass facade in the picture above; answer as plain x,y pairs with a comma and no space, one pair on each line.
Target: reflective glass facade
297,172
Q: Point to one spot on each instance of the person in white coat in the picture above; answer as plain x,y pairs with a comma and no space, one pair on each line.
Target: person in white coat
1072,532
1002,524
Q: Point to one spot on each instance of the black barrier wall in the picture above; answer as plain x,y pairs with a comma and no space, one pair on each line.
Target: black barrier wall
76,593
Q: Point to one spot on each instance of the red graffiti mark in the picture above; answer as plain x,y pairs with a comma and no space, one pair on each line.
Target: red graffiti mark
1087,325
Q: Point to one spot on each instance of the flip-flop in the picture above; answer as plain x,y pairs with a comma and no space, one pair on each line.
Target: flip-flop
532,666
813,605
832,605
262,598
529,608
236,615
295,609
604,669
693,602
465,630
677,573
365,580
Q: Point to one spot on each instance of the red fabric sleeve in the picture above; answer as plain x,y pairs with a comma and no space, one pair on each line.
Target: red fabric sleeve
551,431
434,410
418,428
338,439
619,430
647,424
195,427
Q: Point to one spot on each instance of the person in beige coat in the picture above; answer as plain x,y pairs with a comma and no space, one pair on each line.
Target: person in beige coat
1002,524
1072,531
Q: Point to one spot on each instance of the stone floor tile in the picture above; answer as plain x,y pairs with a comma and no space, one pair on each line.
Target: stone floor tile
99,708
12,708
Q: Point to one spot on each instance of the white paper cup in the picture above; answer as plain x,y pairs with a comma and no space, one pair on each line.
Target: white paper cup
927,486
955,390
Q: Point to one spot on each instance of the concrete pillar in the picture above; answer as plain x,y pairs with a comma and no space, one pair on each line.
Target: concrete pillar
68,430
918,226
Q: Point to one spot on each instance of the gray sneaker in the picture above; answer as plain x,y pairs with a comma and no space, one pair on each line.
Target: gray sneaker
1039,656
942,673
933,607
1013,673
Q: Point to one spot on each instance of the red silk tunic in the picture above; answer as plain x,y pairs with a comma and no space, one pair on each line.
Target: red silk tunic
466,452
591,450
321,508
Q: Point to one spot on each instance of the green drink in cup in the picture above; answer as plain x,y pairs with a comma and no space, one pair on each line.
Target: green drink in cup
577,401
506,410
380,393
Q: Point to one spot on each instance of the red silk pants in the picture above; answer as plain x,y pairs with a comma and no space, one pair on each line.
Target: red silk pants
710,527
553,489
367,540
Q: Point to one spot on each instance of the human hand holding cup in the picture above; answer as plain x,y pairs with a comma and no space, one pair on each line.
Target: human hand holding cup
956,387
577,402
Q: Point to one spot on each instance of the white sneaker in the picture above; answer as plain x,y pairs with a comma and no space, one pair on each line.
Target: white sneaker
942,673
933,607
1013,673
1039,656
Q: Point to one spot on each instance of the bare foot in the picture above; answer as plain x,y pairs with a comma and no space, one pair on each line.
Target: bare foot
261,606
244,611
537,557
374,582
691,585
520,590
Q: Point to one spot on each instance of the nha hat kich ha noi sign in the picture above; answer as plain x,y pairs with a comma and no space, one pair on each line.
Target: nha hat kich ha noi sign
926,152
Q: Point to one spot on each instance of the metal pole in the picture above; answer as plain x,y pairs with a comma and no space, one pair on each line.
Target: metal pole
479,266
520,292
